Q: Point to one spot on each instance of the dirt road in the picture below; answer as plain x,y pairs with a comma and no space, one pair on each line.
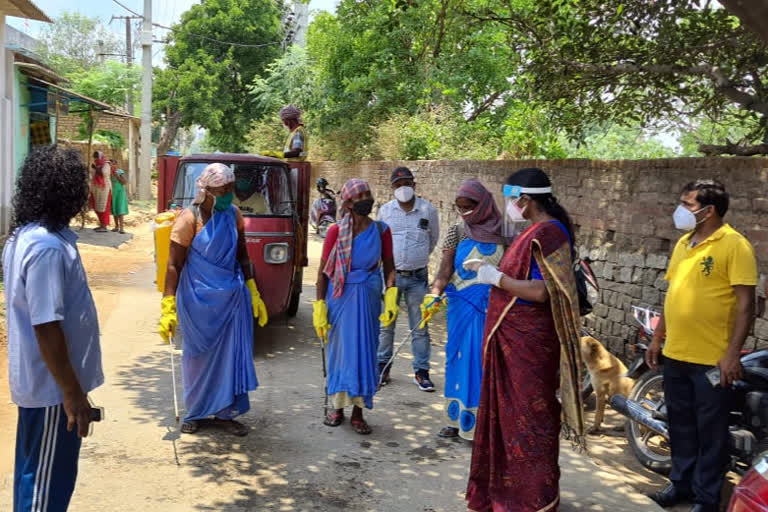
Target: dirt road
290,461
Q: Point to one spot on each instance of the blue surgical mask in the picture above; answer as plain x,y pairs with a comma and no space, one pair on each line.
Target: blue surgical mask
224,202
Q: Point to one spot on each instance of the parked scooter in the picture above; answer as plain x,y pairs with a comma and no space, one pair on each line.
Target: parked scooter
648,425
322,215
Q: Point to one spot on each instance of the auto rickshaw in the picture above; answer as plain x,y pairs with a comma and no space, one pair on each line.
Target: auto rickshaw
273,196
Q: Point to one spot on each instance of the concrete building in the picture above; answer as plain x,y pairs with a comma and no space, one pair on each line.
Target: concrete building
20,9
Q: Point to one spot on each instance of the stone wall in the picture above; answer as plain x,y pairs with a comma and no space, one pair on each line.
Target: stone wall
622,211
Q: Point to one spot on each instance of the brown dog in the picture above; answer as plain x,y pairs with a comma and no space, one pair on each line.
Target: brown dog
607,374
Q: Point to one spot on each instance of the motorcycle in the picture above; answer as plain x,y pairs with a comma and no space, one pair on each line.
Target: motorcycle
322,215
648,426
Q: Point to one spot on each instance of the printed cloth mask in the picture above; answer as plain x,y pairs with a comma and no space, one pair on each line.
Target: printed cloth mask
404,194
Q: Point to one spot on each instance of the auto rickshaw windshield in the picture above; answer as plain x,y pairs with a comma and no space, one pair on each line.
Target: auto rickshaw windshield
260,189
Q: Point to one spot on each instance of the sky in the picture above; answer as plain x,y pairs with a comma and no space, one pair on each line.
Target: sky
164,12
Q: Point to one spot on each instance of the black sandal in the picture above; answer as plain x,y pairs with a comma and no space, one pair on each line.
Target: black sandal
190,427
448,432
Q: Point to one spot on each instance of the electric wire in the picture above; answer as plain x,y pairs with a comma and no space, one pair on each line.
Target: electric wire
241,45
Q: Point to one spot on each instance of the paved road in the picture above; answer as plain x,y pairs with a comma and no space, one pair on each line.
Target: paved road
137,460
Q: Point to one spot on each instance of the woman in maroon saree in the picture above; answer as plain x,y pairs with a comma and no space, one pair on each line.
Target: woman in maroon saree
532,331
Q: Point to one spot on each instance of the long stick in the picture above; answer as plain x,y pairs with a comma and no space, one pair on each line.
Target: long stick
325,379
173,379
402,343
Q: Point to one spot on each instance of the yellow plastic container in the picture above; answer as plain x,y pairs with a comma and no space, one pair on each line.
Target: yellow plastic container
163,226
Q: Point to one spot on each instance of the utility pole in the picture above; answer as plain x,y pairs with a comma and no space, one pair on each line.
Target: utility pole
101,51
129,63
128,55
145,165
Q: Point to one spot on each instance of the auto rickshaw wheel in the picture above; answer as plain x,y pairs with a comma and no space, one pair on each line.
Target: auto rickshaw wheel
293,306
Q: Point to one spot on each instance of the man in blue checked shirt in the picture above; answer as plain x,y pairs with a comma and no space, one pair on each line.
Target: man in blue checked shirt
54,356
415,231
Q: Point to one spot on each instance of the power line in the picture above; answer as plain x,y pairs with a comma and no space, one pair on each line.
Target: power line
241,45
129,10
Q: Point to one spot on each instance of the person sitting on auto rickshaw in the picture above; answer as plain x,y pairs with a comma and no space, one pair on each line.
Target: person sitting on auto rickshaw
249,185
297,144
210,277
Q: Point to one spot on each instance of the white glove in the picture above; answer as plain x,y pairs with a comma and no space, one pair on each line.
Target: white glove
489,274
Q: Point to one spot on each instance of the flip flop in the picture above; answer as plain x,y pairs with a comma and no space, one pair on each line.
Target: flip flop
333,419
360,426
190,427
448,432
232,427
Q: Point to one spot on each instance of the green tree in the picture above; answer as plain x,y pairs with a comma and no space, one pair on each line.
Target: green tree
71,43
109,82
638,62
206,81
375,60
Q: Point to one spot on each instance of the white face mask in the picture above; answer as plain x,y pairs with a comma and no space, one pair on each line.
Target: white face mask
685,219
514,212
404,194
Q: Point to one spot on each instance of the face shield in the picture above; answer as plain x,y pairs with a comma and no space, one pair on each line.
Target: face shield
514,221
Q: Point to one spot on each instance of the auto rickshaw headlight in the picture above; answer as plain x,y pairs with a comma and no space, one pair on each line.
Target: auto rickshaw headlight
277,253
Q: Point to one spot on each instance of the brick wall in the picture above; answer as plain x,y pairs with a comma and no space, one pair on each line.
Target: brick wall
68,126
622,210
119,156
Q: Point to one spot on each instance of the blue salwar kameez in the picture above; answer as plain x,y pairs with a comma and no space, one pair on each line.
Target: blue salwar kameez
216,319
467,305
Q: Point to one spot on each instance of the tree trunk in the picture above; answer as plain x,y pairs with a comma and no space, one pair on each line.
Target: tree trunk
752,13
733,149
169,135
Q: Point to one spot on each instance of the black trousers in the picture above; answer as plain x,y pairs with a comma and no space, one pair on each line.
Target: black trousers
698,428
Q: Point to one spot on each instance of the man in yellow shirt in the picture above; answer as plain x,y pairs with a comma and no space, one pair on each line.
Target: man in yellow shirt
708,312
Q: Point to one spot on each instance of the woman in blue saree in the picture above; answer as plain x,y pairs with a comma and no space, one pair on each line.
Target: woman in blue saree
477,236
210,280
346,312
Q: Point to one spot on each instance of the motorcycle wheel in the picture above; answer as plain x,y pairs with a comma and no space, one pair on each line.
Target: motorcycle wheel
651,449
322,229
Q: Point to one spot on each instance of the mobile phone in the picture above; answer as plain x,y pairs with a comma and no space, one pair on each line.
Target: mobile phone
97,413
713,376
424,223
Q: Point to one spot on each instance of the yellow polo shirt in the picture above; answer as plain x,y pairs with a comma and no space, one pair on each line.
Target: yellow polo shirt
700,306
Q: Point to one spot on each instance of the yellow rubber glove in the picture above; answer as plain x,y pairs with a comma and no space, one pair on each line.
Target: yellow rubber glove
320,319
432,304
273,154
168,318
390,307
259,308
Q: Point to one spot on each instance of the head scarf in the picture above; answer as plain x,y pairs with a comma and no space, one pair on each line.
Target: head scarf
340,259
290,113
484,223
98,176
214,175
